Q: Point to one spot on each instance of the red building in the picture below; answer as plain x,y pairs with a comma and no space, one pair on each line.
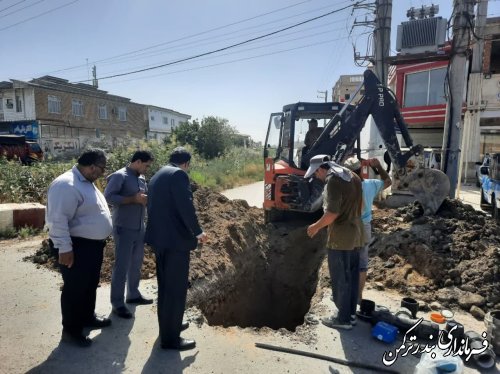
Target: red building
420,90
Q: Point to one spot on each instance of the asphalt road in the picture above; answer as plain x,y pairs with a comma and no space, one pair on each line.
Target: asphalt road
254,194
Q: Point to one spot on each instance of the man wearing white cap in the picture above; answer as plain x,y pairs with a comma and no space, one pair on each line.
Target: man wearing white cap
342,203
371,188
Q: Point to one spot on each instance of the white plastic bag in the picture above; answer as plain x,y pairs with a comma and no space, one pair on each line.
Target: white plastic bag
449,364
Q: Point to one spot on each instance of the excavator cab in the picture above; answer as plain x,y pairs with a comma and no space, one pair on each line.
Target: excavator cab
285,157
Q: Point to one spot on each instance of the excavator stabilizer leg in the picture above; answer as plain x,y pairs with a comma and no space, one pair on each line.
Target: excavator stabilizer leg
430,187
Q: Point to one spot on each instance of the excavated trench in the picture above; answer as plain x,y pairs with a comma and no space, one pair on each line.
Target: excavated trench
270,286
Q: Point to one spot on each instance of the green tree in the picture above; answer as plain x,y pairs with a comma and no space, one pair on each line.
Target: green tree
187,132
215,137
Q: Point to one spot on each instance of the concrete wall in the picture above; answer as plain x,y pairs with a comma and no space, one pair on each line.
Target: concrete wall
491,92
16,216
27,98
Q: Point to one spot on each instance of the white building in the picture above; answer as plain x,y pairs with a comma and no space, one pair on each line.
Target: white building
162,121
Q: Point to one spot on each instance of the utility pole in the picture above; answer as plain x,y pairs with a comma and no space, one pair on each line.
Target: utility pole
475,104
463,10
382,38
95,82
324,94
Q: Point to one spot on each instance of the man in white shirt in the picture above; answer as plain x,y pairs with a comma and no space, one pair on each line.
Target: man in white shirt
79,223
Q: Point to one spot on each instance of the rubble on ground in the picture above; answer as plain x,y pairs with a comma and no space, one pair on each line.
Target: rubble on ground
452,257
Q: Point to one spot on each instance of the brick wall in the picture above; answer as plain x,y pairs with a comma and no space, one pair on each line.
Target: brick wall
134,127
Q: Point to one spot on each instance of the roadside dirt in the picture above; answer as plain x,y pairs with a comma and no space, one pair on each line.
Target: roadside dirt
452,258
251,274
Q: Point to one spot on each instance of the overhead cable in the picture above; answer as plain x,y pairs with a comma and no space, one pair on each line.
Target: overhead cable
224,48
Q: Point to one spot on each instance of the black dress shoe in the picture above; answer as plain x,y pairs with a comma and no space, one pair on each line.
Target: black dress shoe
98,323
140,301
123,312
184,326
76,338
181,345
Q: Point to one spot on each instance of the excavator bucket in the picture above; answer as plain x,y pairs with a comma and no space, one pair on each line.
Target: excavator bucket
429,186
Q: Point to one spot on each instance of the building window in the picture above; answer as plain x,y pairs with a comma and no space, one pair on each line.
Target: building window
9,104
1,104
54,104
359,78
172,122
425,88
165,120
152,118
122,113
77,107
19,104
103,111
347,96
494,67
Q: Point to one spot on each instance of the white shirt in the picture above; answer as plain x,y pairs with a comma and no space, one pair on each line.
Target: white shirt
75,207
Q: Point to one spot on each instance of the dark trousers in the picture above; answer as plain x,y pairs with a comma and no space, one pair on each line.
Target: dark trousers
80,284
172,273
344,274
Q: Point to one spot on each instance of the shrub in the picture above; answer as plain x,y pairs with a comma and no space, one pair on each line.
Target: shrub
238,166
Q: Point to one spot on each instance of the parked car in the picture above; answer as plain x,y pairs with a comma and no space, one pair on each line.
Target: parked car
15,147
35,152
485,163
490,186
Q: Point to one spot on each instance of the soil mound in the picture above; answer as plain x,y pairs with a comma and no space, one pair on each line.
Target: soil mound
255,274
452,258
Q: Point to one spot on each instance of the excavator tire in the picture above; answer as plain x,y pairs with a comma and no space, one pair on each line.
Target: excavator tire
273,215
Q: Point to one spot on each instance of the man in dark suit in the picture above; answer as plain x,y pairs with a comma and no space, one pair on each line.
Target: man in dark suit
173,231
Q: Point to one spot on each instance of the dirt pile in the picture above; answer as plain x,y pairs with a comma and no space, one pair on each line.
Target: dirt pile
452,258
248,273
255,274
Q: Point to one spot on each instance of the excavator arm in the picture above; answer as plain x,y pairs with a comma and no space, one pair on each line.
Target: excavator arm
429,186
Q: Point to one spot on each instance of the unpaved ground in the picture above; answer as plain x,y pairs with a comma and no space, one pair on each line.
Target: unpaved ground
266,278
30,334
452,257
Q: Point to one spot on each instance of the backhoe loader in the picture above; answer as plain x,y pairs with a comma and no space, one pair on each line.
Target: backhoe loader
286,158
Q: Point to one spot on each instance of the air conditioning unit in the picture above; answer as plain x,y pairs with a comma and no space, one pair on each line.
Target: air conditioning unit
421,35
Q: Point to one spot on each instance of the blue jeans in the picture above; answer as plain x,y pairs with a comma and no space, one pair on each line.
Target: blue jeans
344,274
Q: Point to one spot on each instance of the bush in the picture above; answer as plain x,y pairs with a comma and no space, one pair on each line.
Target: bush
20,184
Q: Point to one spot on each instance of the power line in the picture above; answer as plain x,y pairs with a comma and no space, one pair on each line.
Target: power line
39,15
141,51
198,43
224,48
204,32
18,10
267,45
230,61
302,31
13,5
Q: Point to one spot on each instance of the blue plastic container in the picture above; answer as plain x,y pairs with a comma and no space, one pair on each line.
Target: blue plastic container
385,332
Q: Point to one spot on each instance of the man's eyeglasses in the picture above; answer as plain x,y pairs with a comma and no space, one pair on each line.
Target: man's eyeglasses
103,168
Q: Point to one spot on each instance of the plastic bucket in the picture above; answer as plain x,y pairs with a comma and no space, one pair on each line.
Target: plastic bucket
410,304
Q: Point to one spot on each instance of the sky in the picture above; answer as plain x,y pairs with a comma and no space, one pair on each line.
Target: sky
243,83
